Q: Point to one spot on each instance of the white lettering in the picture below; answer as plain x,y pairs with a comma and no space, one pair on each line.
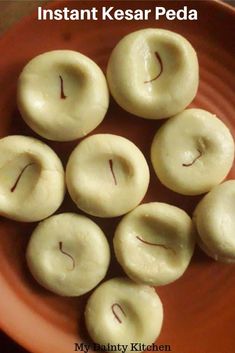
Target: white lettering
58,15
39,13
140,15
106,13
159,11
129,14
170,15
66,12
118,15
74,15
45,12
94,13
181,14
192,15
110,13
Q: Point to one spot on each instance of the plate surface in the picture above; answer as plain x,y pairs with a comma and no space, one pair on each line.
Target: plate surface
200,307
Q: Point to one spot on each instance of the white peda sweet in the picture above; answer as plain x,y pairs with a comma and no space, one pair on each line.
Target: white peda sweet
32,182
122,312
154,243
153,73
215,222
107,175
192,152
68,254
62,95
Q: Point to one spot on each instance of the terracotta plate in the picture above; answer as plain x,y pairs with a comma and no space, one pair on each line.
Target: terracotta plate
200,307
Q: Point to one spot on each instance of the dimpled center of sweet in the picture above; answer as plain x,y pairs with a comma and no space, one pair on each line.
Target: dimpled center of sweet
111,171
57,91
19,176
158,68
153,245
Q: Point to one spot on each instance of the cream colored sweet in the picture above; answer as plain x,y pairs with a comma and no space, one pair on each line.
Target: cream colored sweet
68,254
122,312
153,73
215,222
107,175
154,243
32,181
192,152
62,95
